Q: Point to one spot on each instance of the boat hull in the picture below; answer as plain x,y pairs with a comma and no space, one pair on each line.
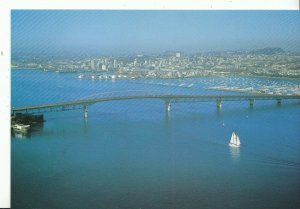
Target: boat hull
21,131
233,145
19,128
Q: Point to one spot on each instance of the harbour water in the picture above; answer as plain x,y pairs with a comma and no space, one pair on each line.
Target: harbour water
129,154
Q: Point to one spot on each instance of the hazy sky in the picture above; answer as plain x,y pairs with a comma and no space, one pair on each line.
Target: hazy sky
114,32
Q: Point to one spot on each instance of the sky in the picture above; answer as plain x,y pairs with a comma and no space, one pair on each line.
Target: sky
112,32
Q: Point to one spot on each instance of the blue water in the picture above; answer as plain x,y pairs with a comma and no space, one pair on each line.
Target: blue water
129,154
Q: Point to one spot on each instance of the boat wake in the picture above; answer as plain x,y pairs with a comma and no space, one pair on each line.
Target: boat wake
267,160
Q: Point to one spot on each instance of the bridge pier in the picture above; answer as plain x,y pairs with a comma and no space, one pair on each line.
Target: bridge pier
219,104
168,106
251,103
85,111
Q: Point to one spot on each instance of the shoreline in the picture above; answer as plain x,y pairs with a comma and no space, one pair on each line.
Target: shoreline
215,75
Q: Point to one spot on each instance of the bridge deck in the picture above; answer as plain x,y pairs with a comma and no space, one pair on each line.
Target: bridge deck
79,104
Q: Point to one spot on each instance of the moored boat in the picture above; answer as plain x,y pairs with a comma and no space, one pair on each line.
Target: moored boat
20,128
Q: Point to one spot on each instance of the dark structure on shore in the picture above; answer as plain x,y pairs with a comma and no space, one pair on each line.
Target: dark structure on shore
28,119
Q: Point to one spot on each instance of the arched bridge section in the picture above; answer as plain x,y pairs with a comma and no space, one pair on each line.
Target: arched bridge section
129,95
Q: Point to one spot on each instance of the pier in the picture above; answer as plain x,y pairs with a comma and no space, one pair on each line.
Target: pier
168,98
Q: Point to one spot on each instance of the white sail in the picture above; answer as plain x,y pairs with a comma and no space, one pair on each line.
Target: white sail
234,141
233,138
238,140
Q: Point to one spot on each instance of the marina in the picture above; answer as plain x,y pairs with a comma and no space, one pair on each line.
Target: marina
273,90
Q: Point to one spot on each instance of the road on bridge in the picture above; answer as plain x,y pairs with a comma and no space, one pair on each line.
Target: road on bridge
168,98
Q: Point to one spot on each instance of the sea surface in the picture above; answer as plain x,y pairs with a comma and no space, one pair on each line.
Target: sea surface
132,155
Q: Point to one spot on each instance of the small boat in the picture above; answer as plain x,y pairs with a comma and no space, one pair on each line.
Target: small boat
20,128
234,141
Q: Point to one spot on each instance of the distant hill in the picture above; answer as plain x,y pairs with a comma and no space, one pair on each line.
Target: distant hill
268,51
263,51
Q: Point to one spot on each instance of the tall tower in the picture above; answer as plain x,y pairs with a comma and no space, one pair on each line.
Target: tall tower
93,64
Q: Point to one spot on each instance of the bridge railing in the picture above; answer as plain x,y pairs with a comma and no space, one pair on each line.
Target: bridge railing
127,93
121,95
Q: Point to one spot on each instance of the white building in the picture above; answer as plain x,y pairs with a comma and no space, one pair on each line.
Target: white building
93,64
115,64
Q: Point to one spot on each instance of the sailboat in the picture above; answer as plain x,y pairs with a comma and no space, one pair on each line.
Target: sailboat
234,141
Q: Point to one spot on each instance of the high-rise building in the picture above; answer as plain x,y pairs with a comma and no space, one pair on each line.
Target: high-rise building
115,64
135,62
177,54
93,67
98,66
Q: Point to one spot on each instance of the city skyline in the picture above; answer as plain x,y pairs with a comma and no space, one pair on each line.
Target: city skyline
62,32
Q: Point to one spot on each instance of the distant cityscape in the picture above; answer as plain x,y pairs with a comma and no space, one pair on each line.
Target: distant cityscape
273,62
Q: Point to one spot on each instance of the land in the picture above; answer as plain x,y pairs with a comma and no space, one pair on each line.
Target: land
272,62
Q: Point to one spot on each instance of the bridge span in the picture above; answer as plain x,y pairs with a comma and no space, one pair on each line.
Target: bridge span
167,98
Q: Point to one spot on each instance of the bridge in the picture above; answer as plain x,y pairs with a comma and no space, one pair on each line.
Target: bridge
167,98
